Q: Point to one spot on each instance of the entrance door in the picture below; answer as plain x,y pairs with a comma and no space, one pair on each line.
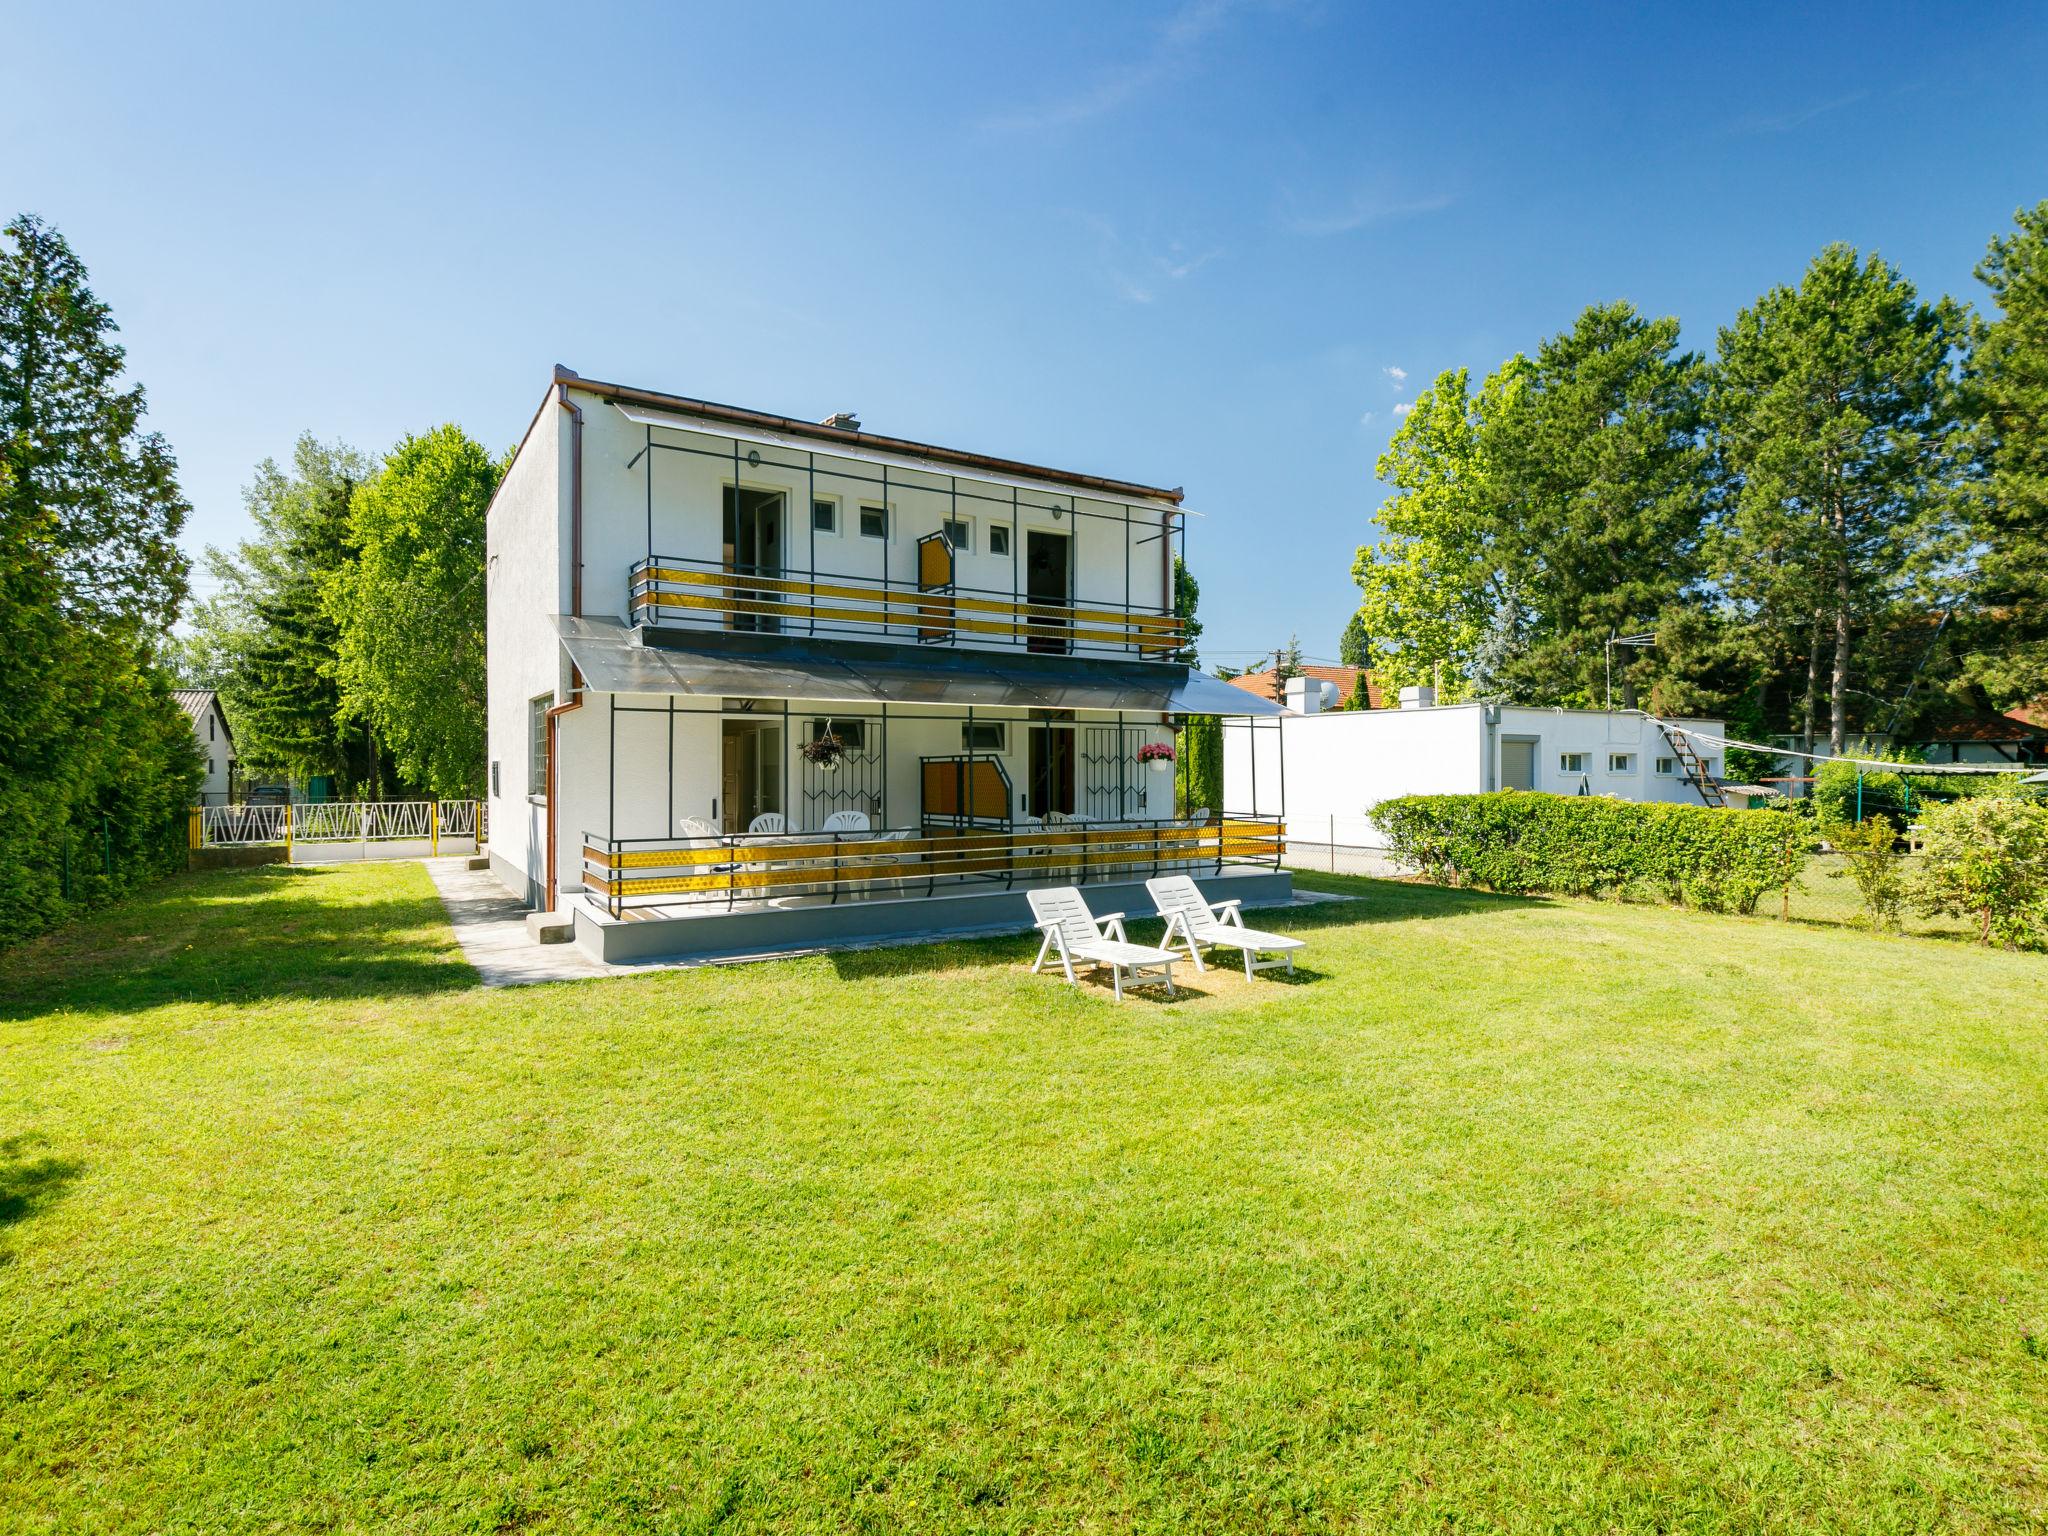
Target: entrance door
753,547
1046,581
1518,762
1051,770
750,780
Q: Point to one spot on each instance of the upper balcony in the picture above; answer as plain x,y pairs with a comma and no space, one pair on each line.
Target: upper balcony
934,609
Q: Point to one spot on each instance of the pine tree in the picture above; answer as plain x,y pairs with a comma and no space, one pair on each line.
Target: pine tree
268,637
2009,379
1836,413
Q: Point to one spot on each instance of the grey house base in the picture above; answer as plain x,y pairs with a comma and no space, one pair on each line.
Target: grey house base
655,934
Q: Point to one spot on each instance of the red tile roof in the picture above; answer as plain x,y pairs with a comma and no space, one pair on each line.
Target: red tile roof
1983,725
1346,679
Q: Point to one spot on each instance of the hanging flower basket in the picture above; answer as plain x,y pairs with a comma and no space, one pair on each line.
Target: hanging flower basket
1156,755
824,751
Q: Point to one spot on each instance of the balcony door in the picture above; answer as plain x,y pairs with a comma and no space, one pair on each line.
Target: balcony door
1048,581
753,547
750,759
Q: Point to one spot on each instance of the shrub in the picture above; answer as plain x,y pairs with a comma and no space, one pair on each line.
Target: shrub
1987,858
1872,850
1841,801
1721,861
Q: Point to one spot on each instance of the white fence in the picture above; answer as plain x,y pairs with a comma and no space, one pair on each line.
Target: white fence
341,829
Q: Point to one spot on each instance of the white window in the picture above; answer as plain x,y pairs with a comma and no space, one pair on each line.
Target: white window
1667,766
1707,766
959,533
1571,762
1621,762
537,743
874,522
984,736
825,516
999,539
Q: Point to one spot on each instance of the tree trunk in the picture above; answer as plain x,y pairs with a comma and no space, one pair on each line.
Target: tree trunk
1838,688
1812,681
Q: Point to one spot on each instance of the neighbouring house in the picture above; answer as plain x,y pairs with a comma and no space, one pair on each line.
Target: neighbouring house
1333,687
216,742
1981,736
1322,772
759,682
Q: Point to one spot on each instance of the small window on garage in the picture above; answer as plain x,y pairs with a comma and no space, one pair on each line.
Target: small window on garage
874,522
1621,762
1571,762
959,533
825,516
999,539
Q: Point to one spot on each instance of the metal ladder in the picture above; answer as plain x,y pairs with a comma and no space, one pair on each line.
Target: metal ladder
1695,770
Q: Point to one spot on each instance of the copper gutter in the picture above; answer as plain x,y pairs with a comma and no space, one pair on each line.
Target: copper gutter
562,377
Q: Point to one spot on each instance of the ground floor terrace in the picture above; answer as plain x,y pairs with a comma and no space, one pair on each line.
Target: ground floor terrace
683,815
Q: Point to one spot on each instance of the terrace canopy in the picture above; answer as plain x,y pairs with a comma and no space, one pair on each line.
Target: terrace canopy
615,659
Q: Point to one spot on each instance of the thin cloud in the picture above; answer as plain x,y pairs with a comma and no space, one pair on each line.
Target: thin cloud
1397,373
1133,274
1404,408
1363,210
1366,419
1173,53
1784,122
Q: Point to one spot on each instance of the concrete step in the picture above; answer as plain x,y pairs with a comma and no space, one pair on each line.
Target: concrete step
550,927
481,861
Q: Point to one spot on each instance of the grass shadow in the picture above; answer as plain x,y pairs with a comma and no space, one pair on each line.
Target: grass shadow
246,935
30,1180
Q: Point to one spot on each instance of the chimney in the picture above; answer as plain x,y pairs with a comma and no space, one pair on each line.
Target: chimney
1418,696
845,420
1304,695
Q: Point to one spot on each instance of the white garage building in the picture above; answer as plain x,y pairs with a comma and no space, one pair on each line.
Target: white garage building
1326,770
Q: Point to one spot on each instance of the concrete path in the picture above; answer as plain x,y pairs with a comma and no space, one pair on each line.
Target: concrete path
490,925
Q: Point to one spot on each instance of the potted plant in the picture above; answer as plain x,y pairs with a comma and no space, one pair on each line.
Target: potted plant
1157,755
824,750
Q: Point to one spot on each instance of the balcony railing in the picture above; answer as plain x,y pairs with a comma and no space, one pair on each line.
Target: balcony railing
724,871
703,594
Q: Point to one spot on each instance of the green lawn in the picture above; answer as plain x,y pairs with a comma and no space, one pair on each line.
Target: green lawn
1502,1215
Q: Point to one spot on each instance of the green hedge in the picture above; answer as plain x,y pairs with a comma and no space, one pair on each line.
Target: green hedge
1722,861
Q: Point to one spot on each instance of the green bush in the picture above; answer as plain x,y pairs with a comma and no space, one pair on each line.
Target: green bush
1872,851
1721,861
1986,858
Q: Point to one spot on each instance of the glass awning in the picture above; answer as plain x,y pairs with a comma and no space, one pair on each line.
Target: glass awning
616,659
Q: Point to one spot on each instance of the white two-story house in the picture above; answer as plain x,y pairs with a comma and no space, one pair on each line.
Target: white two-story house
818,683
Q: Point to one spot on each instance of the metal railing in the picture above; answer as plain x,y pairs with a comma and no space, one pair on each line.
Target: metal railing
336,822
705,594
739,867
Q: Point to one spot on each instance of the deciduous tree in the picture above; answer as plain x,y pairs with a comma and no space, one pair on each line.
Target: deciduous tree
409,608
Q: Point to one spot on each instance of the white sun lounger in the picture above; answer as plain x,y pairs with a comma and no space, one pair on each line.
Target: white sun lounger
1196,919
1077,934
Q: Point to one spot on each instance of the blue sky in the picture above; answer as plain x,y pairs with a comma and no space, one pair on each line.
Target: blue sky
1209,244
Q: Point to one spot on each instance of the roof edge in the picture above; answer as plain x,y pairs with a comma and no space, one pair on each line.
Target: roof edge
740,416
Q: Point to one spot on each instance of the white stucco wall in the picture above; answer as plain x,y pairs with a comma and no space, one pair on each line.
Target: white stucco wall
1339,765
527,585
218,754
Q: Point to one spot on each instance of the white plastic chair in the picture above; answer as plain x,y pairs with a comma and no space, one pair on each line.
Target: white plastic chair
1075,933
846,821
696,826
769,822
1196,919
